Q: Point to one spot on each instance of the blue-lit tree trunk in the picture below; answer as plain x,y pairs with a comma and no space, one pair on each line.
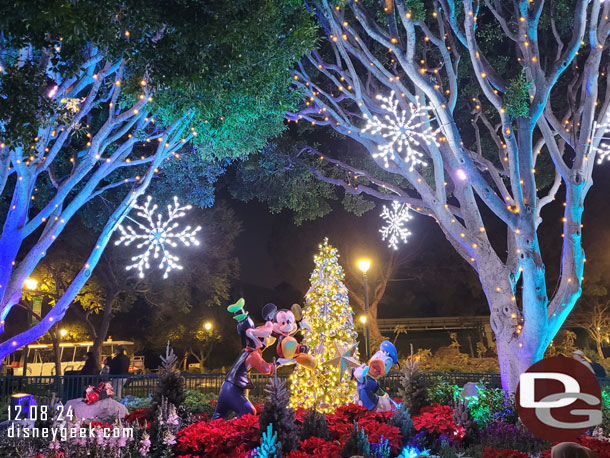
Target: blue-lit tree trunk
488,161
108,161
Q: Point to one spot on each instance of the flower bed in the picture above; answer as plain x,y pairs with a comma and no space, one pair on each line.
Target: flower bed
237,437
487,428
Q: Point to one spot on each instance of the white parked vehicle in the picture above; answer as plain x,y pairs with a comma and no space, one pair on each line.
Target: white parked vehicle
41,360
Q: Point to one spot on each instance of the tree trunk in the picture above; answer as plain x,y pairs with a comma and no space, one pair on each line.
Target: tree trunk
103,329
373,326
519,342
600,351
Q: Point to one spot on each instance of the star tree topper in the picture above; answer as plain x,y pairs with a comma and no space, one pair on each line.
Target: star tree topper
344,358
157,236
395,220
402,130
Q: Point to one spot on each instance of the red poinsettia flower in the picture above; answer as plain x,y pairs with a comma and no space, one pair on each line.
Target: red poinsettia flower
141,416
438,419
219,438
376,430
315,446
299,414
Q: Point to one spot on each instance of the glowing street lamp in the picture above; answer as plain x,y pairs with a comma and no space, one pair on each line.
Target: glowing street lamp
207,326
63,332
363,319
31,284
364,265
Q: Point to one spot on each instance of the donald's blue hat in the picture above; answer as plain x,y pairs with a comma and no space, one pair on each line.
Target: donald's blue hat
389,348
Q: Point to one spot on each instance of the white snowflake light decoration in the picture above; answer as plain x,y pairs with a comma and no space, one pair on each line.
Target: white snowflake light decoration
158,236
603,150
395,220
402,130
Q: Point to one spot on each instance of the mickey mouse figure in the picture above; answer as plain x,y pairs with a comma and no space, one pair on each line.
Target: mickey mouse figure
281,325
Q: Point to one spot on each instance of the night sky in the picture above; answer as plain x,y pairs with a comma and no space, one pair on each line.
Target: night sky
261,228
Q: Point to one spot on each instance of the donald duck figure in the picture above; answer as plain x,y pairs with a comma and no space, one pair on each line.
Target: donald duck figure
367,376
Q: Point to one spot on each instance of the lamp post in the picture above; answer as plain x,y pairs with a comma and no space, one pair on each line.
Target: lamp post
364,265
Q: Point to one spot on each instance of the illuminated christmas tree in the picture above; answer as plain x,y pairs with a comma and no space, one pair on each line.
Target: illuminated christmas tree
332,339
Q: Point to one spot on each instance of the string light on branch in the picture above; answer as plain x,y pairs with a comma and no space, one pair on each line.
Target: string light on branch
603,150
403,130
395,219
157,236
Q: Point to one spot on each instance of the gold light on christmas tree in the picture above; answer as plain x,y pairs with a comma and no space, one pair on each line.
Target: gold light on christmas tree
328,313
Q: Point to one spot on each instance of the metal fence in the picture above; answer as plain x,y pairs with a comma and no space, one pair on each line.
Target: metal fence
73,386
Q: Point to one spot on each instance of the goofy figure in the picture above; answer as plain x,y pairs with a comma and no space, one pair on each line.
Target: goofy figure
367,375
279,325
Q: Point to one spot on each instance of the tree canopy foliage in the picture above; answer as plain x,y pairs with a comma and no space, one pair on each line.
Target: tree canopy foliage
100,99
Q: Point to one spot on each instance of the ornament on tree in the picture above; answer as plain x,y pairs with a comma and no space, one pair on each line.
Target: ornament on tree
157,236
402,130
324,388
395,219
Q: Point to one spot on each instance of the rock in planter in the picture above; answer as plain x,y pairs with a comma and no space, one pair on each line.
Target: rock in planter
470,389
104,410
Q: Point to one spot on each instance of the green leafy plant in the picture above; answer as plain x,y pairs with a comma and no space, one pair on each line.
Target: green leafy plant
516,99
198,402
135,403
492,404
606,411
417,9
442,392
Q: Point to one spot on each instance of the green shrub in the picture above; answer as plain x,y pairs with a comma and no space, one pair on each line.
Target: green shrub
606,410
492,404
135,403
199,402
440,391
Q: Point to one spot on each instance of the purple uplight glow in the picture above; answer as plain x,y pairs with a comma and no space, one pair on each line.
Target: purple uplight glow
461,174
